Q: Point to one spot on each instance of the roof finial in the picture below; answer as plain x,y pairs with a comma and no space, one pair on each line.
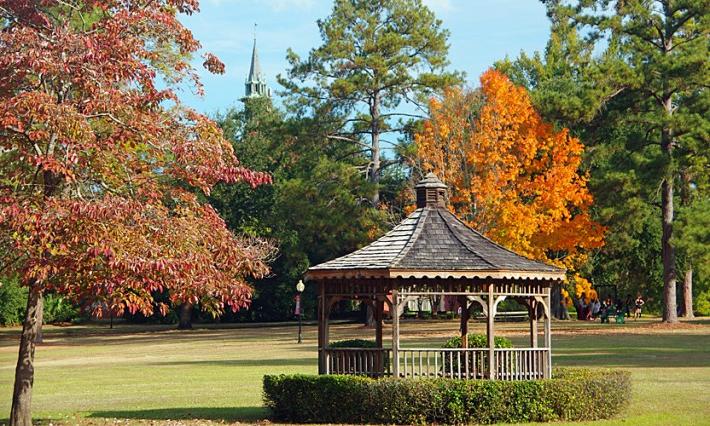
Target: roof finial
255,25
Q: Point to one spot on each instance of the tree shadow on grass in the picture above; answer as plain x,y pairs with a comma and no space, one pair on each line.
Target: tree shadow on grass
291,362
230,414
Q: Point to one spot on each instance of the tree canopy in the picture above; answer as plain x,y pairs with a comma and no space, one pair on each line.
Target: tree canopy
662,71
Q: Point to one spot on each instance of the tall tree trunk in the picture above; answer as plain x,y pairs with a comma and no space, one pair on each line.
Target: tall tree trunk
670,313
369,315
185,317
21,411
375,133
688,293
21,414
685,200
668,253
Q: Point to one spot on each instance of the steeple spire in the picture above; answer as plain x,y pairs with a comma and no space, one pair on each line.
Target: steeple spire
256,82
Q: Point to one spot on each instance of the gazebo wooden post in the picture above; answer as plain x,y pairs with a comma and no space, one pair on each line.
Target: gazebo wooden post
395,333
548,333
532,314
379,314
490,333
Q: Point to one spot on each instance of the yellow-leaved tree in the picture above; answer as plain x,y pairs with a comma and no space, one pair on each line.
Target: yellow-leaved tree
511,175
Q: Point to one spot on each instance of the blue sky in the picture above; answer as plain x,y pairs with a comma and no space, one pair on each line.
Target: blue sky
482,31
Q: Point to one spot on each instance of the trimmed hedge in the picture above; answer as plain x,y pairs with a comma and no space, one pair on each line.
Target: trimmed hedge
572,394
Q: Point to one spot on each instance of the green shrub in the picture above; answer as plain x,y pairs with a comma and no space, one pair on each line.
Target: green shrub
588,394
13,299
572,394
474,341
353,343
58,309
702,304
478,341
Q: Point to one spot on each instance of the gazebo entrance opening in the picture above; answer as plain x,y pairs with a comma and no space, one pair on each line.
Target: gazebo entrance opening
432,253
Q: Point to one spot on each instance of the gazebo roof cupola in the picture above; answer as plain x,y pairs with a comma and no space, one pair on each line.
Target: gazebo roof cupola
431,192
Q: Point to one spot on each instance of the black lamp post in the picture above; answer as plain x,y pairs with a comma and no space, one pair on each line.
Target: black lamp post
299,289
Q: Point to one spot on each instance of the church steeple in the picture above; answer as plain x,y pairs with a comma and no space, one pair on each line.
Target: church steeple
255,69
256,82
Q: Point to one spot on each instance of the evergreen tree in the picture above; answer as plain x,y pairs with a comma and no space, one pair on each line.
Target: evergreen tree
315,209
375,55
647,115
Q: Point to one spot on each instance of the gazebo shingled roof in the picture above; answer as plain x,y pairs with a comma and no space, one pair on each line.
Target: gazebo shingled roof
432,242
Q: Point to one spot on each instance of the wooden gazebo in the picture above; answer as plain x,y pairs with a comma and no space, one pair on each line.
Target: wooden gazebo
433,253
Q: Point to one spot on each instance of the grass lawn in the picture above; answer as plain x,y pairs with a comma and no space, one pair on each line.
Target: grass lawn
93,375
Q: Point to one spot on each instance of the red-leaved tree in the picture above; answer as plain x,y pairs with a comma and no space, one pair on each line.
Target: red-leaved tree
100,164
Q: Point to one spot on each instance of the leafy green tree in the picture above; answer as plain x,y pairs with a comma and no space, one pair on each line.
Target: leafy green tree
13,298
376,54
315,209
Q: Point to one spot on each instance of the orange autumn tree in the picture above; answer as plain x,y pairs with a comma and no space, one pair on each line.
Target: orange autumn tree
512,176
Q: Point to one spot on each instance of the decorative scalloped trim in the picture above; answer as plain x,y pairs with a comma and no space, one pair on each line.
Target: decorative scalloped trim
441,275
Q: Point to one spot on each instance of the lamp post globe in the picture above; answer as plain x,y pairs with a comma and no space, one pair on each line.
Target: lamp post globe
299,289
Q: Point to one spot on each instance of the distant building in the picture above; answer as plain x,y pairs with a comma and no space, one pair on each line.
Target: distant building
255,86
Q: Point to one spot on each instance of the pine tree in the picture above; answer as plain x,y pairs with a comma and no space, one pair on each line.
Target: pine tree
663,72
375,55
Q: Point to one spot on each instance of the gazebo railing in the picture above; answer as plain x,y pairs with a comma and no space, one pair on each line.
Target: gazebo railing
452,363
372,362
521,363
473,363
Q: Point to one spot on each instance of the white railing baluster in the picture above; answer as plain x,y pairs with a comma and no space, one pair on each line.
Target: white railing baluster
436,363
451,364
428,372
458,363
405,362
